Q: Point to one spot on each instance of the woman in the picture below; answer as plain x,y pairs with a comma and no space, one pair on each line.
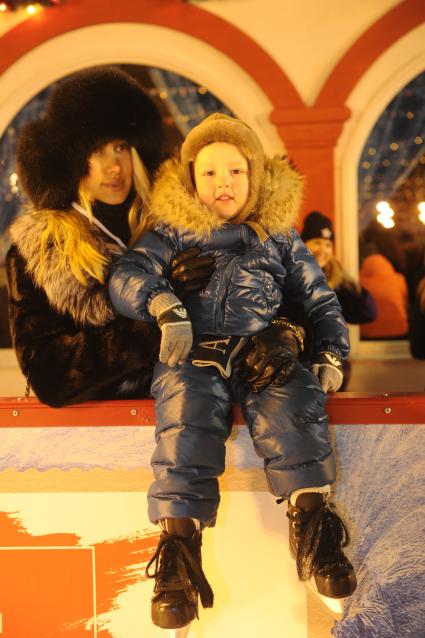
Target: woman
357,305
85,167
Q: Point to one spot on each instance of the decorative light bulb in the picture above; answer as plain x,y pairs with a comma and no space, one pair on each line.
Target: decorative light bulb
388,223
384,207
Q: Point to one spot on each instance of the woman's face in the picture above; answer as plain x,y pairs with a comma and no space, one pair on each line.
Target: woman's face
222,179
322,249
110,173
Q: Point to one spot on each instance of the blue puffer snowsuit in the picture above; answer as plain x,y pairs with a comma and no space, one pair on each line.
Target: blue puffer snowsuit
254,271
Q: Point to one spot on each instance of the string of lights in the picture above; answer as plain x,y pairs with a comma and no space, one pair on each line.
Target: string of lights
391,173
31,7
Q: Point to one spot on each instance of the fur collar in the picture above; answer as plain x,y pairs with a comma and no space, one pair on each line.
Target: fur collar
86,304
276,210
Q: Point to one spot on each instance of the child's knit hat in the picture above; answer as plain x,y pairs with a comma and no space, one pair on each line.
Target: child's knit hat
222,128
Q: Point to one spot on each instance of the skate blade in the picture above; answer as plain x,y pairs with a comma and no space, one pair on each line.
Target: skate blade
334,605
181,632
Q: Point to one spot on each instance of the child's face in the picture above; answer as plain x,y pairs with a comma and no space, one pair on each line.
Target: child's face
322,249
222,178
110,173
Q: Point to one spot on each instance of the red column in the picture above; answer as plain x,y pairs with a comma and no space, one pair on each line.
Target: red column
310,136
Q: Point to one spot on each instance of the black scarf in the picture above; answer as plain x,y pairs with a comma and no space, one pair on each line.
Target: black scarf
115,216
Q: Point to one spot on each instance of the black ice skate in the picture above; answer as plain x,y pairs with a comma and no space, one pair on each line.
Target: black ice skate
178,576
317,536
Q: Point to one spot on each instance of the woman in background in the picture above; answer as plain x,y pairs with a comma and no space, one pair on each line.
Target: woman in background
357,304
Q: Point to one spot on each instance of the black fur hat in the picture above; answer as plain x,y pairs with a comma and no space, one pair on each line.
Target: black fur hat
317,225
86,110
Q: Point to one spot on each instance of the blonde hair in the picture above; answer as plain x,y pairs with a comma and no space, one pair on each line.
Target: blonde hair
336,276
67,232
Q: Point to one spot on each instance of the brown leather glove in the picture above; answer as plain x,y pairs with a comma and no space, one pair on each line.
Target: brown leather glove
190,272
270,357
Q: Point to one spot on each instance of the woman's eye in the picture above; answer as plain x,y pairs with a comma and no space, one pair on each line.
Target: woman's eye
123,146
238,171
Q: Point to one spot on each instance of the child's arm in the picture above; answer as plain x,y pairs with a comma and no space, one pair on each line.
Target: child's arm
139,290
140,274
306,284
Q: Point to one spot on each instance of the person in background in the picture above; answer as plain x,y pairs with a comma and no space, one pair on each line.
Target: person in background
417,319
357,304
239,206
389,289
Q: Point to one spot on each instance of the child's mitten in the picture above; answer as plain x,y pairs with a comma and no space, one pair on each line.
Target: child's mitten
327,366
176,328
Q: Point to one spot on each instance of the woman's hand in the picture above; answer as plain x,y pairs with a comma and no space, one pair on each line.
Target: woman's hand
190,272
271,356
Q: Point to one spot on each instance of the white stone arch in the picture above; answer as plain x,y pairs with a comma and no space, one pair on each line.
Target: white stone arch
395,68
144,44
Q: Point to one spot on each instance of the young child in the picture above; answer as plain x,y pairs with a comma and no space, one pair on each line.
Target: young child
227,198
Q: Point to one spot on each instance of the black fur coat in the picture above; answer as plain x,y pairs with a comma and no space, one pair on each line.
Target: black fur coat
69,343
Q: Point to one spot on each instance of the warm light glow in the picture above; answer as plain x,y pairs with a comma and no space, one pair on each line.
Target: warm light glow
388,222
31,9
384,219
385,208
385,214
421,207
422,216
3,7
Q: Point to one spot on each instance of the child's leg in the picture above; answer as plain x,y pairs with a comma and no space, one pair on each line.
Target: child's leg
289,428
193,409
194,420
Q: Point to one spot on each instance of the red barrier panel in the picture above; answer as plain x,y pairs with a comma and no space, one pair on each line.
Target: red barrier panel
343,408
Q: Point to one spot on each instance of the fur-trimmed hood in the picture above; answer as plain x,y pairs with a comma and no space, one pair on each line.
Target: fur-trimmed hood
276,210
87,304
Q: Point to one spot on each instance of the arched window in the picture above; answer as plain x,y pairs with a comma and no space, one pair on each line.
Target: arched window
391,181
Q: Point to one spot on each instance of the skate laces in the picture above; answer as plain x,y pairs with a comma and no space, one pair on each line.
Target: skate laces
323,535
173,557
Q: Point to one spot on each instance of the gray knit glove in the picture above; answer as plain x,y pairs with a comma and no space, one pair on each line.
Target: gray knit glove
327,367
176,328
